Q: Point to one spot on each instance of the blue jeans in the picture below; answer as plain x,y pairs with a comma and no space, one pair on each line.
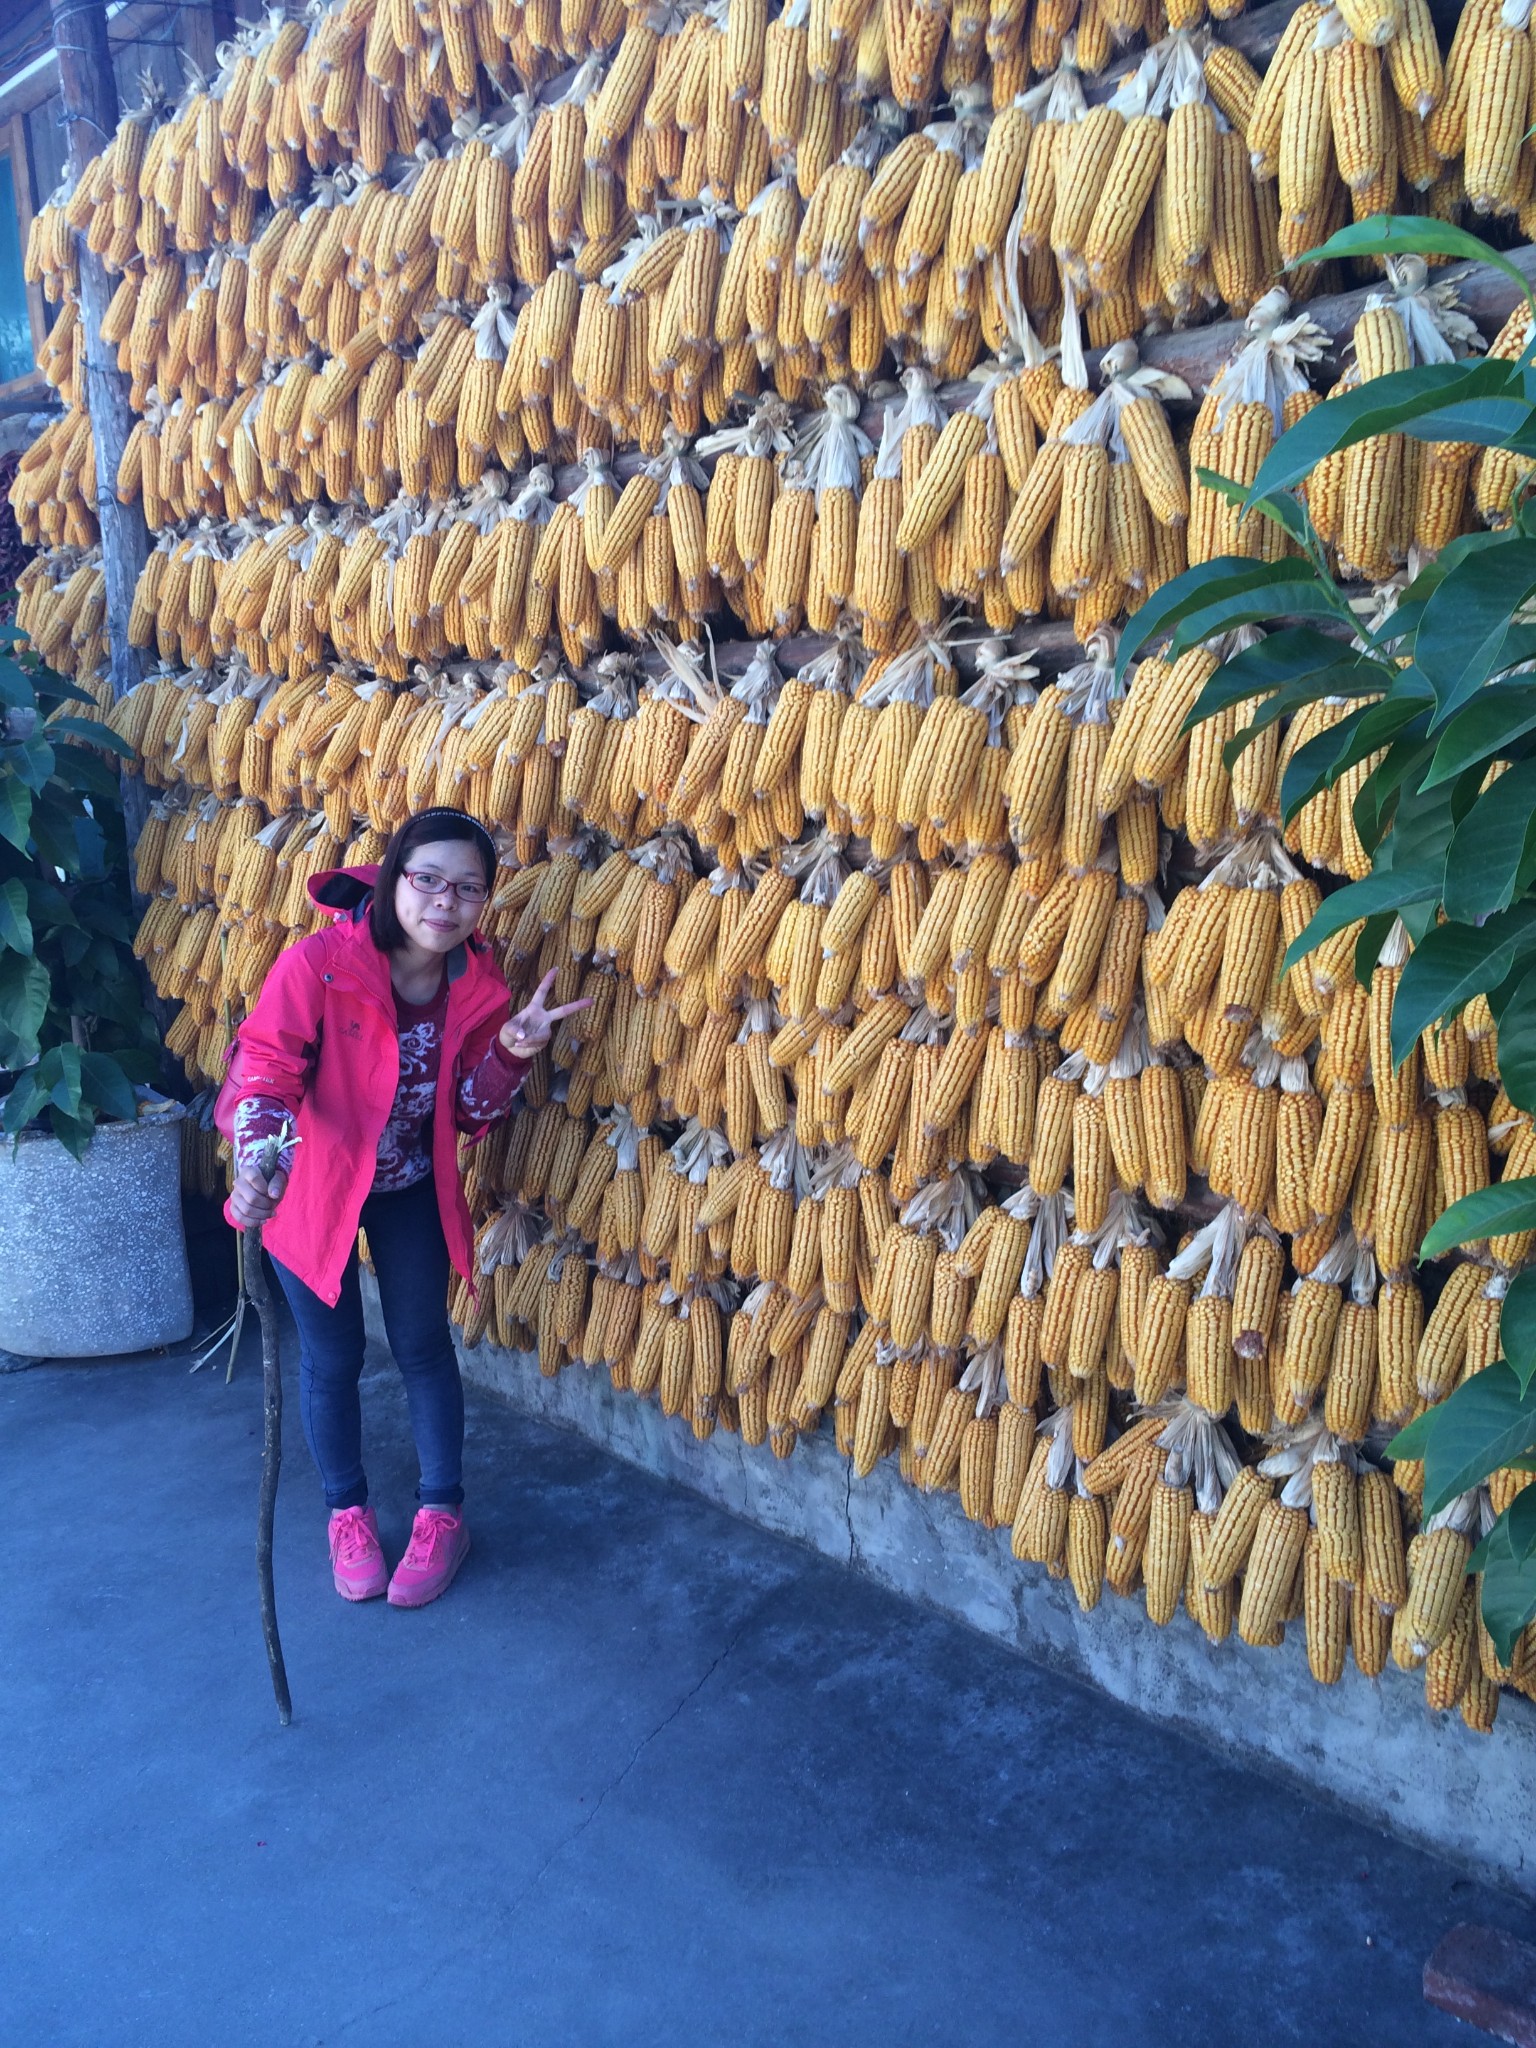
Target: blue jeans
405,1238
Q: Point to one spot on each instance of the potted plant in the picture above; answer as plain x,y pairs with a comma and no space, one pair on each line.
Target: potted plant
92,1255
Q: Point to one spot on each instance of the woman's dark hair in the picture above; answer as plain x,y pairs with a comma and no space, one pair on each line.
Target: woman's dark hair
424,829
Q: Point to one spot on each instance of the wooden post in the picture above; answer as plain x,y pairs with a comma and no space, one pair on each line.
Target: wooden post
201,32
90,115
23,184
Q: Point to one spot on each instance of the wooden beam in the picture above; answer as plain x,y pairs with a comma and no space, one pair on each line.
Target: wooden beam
1256,32
1197,353
1051,643
201,29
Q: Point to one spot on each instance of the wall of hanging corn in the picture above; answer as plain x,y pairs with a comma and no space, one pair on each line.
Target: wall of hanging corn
494,364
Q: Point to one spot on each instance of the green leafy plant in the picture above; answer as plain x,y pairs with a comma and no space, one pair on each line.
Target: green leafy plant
74,1032
1443,688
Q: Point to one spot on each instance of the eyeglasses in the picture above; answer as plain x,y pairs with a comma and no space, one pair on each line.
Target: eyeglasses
426,883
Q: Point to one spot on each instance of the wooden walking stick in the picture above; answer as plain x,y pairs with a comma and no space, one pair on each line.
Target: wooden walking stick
271,1433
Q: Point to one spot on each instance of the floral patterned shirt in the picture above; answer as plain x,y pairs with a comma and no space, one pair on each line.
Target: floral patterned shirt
405,1149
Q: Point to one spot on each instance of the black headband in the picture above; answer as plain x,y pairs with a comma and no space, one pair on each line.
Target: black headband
463,818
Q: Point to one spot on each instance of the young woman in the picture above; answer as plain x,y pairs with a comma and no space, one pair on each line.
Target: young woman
381,1040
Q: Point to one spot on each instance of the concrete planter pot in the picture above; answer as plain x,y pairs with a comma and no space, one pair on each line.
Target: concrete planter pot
93,1259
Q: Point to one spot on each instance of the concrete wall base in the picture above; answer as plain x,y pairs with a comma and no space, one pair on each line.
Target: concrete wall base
1370,1744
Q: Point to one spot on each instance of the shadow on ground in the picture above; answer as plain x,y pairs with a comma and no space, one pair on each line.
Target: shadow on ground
646,1775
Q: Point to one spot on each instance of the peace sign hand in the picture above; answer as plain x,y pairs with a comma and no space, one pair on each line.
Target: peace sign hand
531,1029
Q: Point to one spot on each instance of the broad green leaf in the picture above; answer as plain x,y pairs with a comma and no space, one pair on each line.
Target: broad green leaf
1384,405
107,1087
1516,648
106,959
59,1072
1281,660
83,771
1403,620
1422,820
1514,1532
1463,794
119,1001
105,986
101,914
1379,724
16,693
47,905
1377,801
1400,682
1517,1044
22,1104
92,732
1483,729
1315,765
1387,890
91,847
15,812
1489,844
73,1133
1412,1440
1407,234
1192,591
1284,703
60,831
31,759
1509,1583
1455,963
1466,620
1492,422
1369,944
1302,596
1508,1206
1502,997
1517,1328
24,991
15,924
1287,512
55,689
1522,442
1485,1423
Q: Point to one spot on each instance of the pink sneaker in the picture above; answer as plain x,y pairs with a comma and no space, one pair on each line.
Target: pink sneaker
439,1545
357,1558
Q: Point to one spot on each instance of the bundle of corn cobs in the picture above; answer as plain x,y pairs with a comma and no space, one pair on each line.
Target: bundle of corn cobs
513,386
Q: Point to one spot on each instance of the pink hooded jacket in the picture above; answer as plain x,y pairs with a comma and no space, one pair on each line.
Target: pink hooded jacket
323,1041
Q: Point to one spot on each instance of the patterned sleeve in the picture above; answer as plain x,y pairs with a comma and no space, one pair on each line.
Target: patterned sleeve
257,1118
486,1090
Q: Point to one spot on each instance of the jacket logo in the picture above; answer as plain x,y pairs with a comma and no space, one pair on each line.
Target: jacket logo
352,1029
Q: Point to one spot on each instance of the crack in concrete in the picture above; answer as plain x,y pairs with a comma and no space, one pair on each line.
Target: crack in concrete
445,1962
425,1983
613,1785
853,1541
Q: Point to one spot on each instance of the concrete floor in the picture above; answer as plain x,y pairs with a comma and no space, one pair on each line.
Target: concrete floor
646,1775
